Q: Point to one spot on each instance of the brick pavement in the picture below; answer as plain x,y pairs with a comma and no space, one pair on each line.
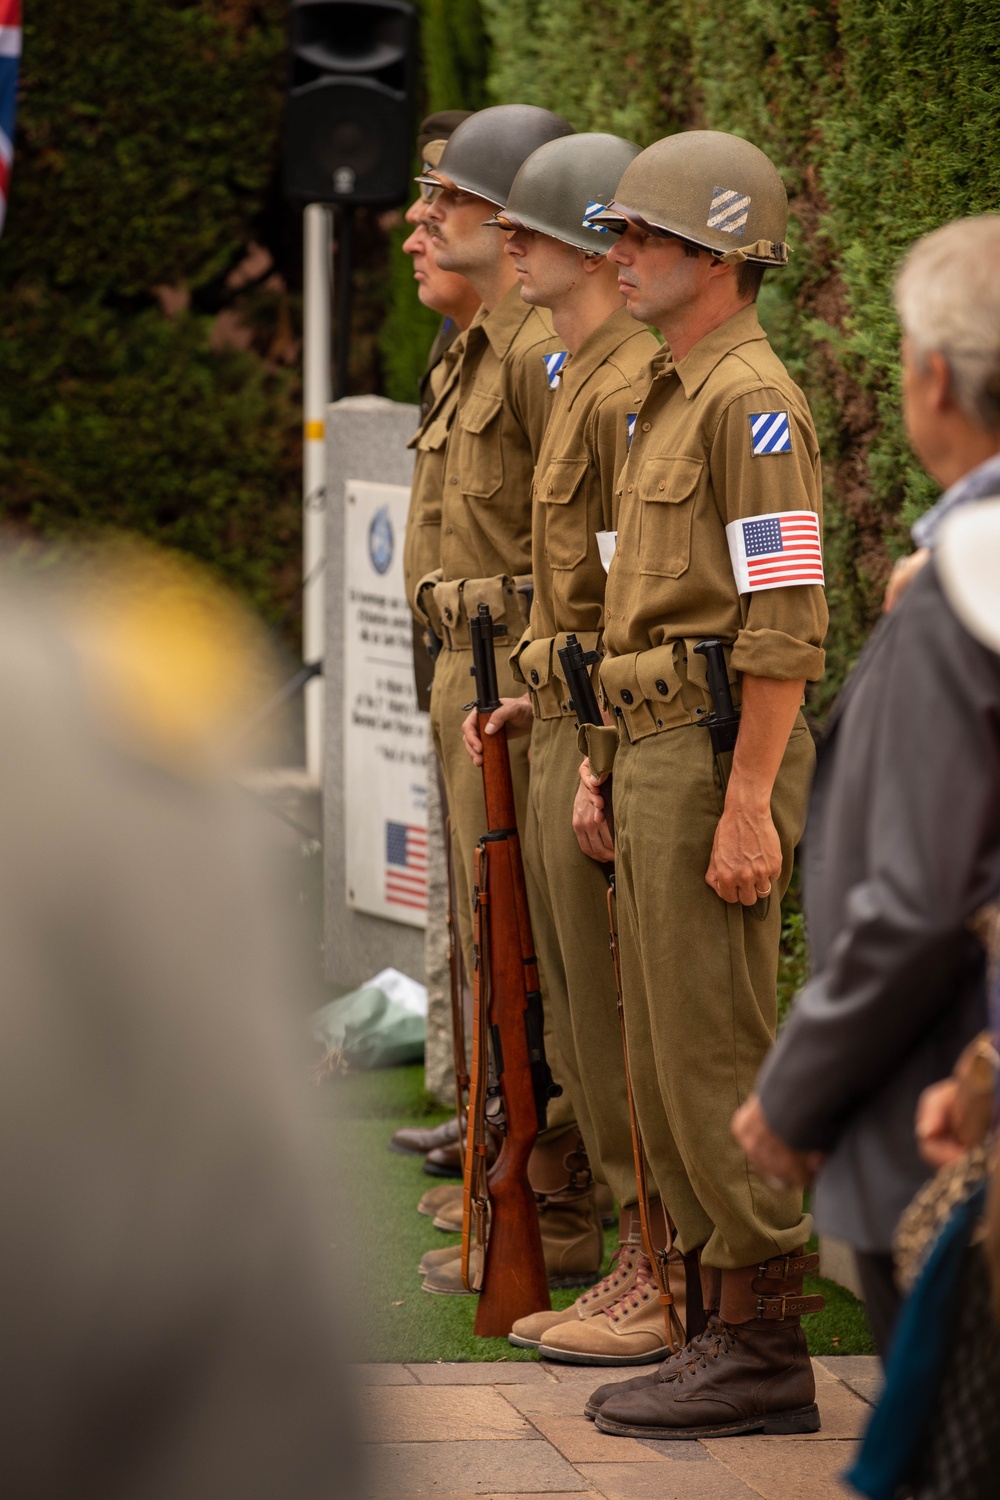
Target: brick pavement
458,1431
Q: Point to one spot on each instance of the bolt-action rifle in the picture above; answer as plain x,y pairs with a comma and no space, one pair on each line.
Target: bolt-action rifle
507,1025
576,664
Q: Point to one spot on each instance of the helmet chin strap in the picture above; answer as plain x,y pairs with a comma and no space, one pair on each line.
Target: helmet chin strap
772,252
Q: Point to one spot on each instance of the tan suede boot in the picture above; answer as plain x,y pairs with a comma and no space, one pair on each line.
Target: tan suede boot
446,1278
572,1238
436,1199
631,1331
749,1371
431,1259
449,1217
527,1332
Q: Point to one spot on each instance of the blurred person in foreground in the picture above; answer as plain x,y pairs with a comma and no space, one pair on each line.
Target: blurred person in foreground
168,1326
902,844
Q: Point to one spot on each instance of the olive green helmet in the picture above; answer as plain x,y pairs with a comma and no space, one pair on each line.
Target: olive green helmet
484,153
563,185
715,190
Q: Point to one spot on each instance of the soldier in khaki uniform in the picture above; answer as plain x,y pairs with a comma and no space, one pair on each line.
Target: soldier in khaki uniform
457,301
718,536
504,401
561,265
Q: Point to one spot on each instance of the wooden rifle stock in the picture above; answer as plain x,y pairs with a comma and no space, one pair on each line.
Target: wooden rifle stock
509,1011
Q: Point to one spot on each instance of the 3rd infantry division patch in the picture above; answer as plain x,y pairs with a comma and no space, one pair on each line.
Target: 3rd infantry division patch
769,433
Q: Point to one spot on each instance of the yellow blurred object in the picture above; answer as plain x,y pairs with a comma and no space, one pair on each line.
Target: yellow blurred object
172,659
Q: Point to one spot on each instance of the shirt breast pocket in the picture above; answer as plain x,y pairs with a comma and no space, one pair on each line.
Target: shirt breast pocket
667,488
481,451
563,514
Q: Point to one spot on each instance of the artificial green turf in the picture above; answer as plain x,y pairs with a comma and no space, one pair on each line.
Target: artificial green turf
398,1323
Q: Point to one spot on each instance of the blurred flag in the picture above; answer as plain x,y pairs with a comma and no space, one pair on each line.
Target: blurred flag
10,58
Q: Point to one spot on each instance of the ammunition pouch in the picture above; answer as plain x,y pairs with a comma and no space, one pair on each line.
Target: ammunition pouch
537,665
599,743
447,607
663,688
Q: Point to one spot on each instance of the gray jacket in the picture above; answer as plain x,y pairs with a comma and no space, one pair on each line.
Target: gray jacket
902,847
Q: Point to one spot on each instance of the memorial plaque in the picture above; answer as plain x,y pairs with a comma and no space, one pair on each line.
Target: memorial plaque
385,734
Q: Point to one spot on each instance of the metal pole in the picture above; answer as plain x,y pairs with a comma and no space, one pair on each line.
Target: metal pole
317,277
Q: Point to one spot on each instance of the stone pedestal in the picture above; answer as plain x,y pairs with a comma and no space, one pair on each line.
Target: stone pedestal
366,439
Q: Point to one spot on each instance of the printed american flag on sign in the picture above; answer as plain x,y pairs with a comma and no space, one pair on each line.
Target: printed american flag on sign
406,865
10,59
775,551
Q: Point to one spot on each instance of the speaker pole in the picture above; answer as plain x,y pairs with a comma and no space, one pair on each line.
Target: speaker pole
316,280
345,289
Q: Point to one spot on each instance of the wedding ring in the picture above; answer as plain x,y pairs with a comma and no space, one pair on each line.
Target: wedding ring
766,892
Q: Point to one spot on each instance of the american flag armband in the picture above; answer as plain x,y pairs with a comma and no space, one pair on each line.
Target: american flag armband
775,551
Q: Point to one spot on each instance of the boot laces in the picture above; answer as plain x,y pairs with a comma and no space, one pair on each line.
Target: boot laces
642,1291
622,1266
718,1339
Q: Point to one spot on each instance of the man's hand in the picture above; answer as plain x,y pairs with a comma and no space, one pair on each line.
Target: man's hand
514,713
746,851
746,854
903,573
589,822
937,1140
775,1163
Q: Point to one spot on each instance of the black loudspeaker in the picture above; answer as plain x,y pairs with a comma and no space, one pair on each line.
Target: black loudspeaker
349,127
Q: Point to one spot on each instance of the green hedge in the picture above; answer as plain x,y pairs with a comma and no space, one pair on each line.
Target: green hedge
148,150
884,118
147,140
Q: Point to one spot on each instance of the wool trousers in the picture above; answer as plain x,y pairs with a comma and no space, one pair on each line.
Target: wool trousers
699,984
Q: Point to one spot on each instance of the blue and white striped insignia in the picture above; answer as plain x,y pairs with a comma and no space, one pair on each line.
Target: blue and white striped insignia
630,425
729,210
554,366
588,218
769,433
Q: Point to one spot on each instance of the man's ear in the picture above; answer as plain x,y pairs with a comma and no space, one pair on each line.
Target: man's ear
938,373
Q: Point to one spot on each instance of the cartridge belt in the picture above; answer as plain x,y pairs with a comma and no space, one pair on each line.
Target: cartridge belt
663,688
448,606
537,665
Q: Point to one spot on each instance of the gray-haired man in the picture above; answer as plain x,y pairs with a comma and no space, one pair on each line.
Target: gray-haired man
903,839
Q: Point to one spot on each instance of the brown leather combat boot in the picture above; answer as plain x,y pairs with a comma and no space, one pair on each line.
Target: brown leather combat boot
415,1140
748,1372
563,1184
696,1276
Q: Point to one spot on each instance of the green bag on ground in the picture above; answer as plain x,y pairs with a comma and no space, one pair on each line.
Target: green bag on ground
380,1025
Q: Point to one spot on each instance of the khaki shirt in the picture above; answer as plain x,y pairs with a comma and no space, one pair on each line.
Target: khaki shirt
422,544
691,471
574,497
504,403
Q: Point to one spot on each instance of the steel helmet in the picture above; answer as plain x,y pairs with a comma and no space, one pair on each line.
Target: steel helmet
563,185
484,153
715,190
